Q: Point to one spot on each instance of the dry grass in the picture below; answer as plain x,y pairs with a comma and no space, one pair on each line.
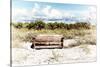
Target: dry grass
82,36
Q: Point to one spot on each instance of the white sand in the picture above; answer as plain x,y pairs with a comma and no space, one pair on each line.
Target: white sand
28,56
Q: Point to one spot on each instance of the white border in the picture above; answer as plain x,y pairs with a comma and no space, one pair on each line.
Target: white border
5,32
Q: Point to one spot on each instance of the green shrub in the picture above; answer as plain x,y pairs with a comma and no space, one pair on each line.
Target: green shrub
18,25
39,24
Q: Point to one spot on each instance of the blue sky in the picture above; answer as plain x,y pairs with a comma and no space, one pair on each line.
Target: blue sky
30,4
22,9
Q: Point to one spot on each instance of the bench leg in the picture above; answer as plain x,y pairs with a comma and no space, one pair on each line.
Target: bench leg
33,45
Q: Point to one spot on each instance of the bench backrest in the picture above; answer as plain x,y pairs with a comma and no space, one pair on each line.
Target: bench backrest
48,38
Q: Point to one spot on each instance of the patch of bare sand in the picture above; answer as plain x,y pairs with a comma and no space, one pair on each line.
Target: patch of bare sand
28,56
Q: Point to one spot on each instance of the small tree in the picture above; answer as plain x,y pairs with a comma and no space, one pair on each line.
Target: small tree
39,25
30,25
18,25
50,26
62,25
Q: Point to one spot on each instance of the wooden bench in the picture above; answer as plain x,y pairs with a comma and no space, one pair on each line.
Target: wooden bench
47,42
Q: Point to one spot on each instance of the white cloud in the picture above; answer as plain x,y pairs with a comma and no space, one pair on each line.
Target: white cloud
46,10
21,14
92,9
90,14
34,10
51,12
19,11
55,13
68,14
87,15
25,11
36,5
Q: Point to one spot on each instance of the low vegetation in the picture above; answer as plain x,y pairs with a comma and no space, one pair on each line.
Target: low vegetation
39,25
83,32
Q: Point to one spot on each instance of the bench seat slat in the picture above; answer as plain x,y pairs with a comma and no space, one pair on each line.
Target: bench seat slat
48,46
48,42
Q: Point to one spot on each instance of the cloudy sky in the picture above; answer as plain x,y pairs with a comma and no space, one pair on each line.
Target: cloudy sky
22,10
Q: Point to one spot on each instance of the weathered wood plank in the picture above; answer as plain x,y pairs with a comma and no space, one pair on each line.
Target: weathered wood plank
48,43
47,47
48,38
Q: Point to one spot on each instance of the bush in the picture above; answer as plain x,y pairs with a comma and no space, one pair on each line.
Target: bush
39,24
18,25
30,25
